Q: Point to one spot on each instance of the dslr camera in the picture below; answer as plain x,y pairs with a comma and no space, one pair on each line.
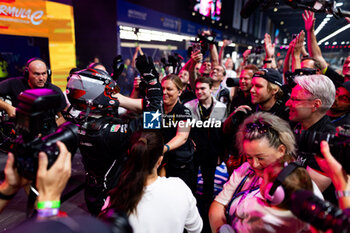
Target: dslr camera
203,40
319,213
309,144
37,131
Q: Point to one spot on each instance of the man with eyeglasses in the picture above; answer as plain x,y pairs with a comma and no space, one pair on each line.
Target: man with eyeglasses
309,102
220,92
35,76
339,113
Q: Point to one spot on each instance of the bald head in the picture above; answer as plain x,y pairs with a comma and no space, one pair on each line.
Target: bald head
37,76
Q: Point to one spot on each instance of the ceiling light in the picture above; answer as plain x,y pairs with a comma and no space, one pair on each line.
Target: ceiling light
250,47
275,9
193,13
282,22
203,18
326,43
343,42
334,34
334,43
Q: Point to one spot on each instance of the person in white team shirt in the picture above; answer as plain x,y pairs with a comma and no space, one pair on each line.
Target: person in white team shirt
154,204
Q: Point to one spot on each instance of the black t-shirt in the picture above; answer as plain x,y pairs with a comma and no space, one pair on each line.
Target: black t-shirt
171,120
240,99
341,121
187,95
334,76
14,86
309,141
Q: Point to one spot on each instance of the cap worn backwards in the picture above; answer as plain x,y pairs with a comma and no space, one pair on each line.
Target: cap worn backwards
271,75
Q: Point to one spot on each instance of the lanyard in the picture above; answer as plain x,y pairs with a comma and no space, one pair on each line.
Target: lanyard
252,187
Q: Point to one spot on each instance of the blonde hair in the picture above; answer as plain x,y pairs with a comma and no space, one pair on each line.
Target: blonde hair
278,132
175,79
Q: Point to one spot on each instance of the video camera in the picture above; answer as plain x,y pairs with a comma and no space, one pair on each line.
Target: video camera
309,144
173,61
325,6
37,131
203,40
232,82
319,213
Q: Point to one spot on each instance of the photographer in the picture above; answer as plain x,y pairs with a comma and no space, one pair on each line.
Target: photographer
50,182
104,136
36,75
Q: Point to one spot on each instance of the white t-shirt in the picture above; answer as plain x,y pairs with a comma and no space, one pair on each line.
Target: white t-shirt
167,206
253,209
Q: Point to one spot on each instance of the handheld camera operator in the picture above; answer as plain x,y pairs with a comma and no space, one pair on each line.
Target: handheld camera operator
36,75
104,137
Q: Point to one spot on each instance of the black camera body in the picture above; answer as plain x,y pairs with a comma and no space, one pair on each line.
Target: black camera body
205,40
232,82
309,145
319,213
37,131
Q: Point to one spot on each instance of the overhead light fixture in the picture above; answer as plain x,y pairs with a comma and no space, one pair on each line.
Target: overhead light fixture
326,43
334,43
275,9
250,47
334,34
203,18
282,22
342,43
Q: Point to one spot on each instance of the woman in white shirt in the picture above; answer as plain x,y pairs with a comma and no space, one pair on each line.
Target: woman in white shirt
263,138
153,204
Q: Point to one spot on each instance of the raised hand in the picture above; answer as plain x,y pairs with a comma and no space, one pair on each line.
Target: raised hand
309,20
146,68
269,46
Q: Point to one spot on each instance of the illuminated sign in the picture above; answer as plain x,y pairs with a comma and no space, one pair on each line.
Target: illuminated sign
39,18
21,15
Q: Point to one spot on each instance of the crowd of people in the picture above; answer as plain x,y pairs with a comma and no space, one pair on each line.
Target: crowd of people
268,131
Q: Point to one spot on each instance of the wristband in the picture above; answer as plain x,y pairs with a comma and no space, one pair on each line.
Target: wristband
344,193
167,147
48,205
267,61
324,70
6,197
44,213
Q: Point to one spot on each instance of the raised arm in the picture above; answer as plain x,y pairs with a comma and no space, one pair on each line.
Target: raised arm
299,44
214,57
222,49
312,46
270,52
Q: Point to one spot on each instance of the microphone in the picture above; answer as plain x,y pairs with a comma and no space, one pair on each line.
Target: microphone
249,8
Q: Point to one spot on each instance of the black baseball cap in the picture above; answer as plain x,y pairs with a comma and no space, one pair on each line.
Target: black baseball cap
346,85
271,75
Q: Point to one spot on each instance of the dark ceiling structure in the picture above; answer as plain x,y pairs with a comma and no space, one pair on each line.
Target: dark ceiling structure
289,21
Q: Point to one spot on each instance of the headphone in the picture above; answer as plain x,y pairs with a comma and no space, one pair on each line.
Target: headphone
274,192
26,68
